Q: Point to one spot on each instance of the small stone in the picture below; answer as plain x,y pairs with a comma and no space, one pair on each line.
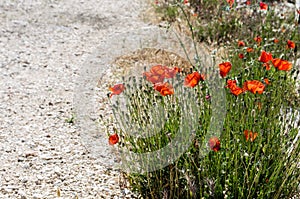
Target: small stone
30,154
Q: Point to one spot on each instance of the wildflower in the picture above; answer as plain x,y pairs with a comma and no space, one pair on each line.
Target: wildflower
249,50
225,67
158,70
241,43
214,144
164,88
234,89
113,139
230,2
241,56
254,86
281,64
153,78
265,57
267,65
158,73
191,80
263,6
248,2
117,89
290,44
276,41
267,81
170,72
258,39
250,135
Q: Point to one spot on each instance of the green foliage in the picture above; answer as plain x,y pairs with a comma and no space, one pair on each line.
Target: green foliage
266,166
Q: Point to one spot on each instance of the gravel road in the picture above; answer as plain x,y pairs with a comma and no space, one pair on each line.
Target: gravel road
44,44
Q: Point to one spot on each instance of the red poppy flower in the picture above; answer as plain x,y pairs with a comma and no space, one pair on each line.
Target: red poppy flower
225,67
241,56
276,41
117,89
191,80
265,57
248,2
113,139
263,6
254,86
258,39
186,1
249,50
230,2
267,65
241,43
214,144
290,44
267,81
158,70
234,89
230,83
250,135
282,64
164,88
158,73
171,72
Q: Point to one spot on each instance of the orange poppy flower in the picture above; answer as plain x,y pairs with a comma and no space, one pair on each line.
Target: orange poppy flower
164,88
241,43
171,72
158,70
276,41
230,83
265,57
158,73
113,139
267,65
249,50
290,44
214,144
191,80
254,86
263,6
153,78
282,64
250,135
117,89
234,89
258,39
230,2
225,67
241,56
267,81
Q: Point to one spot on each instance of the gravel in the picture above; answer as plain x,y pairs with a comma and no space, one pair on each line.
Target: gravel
44,44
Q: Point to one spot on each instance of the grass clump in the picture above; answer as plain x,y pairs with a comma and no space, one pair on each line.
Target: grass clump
200,134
